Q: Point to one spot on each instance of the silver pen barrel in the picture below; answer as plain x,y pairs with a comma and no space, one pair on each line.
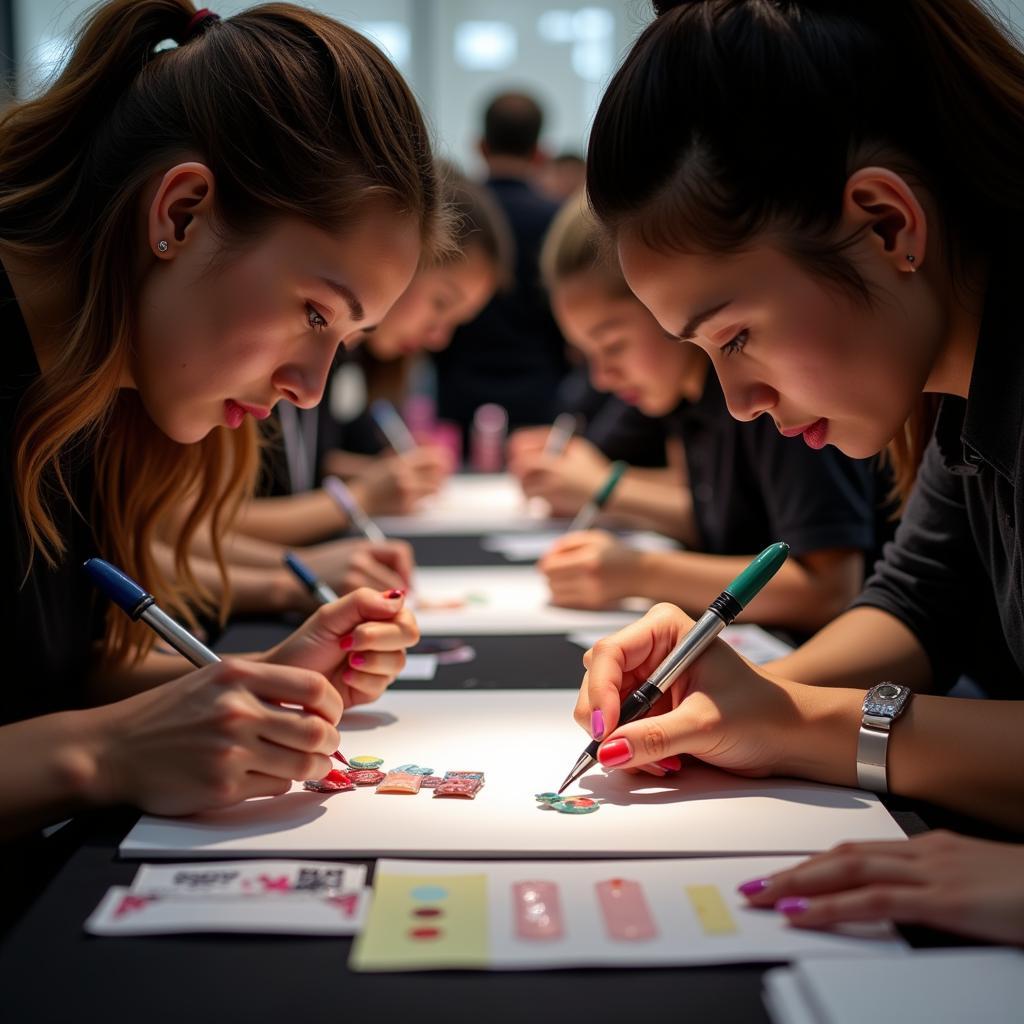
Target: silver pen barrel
178,637
686,652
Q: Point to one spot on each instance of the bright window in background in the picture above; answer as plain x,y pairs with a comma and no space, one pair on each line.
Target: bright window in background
391,36
485,45
590,34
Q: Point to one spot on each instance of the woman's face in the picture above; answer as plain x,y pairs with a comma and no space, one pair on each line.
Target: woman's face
626,349
785,343
221,340
437,301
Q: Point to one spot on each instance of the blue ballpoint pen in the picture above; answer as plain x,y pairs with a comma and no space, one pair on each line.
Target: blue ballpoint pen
316,586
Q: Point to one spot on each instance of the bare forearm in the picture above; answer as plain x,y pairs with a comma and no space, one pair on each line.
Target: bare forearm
110,683
657,503
46,767
861,647
961,754
294,519
801,596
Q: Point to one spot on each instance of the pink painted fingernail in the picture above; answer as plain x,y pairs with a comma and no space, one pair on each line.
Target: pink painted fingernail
615,752
357,660
670,764
652,769
346,642
753,887
394,595
792,905
597,723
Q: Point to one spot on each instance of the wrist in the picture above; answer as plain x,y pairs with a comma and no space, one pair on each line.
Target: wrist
86,763
824,745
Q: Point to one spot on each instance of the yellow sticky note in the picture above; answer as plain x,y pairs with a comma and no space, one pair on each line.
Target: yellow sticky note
712,912
424,921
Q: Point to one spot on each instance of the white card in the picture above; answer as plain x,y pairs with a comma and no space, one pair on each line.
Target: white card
247,878
122,912
419,667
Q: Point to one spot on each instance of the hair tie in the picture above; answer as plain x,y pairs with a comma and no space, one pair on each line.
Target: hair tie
200,22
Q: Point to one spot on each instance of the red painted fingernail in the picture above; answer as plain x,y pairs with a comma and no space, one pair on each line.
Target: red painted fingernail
792,905
356,660
615,752
394,595
753,887
670,764
596,723
346,642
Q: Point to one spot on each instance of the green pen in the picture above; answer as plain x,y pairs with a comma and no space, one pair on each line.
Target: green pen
588,514
722,611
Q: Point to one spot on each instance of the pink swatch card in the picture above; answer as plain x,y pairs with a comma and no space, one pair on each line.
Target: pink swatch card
537,910
624,909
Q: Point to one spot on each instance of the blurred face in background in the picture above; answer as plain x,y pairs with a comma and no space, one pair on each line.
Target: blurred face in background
435,303
627,350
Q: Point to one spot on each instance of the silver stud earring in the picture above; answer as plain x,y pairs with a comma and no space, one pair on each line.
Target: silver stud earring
162,245
912,260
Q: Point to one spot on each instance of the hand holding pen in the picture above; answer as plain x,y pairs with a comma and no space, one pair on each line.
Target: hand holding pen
665,686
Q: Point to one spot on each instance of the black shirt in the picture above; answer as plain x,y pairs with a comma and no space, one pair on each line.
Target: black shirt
512,353
954,574
51,618
751,486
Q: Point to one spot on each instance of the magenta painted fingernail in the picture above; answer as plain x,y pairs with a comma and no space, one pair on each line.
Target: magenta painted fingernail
792,905
670,764
614,752
394,595
346,642
597,723
753,887
357,660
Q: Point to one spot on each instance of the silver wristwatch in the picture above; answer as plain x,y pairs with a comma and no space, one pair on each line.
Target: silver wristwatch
883,704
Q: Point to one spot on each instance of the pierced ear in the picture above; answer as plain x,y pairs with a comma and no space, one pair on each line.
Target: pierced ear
882,203
184,194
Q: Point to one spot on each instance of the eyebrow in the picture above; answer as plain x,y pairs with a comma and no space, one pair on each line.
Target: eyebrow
355,307
691,325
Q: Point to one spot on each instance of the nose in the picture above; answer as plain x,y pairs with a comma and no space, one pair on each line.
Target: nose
747,399
601,375
302,382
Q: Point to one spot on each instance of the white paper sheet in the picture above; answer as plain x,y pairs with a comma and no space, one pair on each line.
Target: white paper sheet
940,986
499,600
525,741
680,937
470,504
529,547
753,642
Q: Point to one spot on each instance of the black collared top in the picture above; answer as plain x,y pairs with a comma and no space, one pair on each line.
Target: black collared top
954,573
50,618
751,486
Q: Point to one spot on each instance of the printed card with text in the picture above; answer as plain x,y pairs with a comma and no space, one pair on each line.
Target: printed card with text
248,878
124,912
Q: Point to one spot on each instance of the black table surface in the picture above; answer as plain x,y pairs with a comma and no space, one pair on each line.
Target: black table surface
51,971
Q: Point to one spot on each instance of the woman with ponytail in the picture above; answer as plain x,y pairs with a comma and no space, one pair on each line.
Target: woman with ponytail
187,233
825,196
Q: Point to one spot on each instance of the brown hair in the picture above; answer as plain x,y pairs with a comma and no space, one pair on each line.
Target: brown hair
478,222
732,118
576,243
296,115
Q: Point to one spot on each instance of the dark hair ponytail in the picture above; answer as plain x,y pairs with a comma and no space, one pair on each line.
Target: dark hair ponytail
733,117
296,115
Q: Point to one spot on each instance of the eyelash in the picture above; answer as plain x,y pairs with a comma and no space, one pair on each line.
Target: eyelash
736,343
315,318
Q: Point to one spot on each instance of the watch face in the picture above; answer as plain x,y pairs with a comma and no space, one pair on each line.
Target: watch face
886,700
